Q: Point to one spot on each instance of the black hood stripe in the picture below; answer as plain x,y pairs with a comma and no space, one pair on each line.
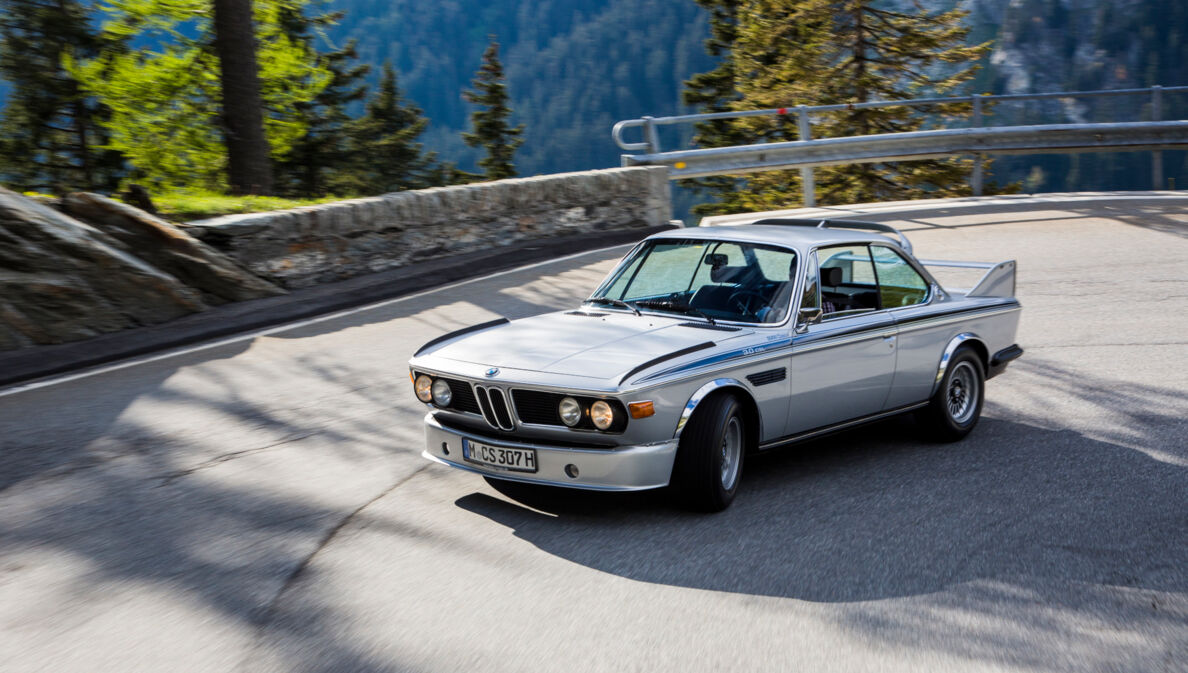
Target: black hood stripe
458,333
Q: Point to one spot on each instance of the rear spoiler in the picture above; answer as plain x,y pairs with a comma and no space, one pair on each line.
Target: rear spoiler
998,281
841,224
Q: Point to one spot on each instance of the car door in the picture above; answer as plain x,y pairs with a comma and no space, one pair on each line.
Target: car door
906,295
843,362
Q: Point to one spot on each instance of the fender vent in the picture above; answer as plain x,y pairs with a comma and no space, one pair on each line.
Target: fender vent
769,376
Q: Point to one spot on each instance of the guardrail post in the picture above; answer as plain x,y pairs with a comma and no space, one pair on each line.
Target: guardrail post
651,137
808,182
977,178
1157,155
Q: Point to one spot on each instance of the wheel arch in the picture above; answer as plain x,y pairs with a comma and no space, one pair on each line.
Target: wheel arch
724,386
968,339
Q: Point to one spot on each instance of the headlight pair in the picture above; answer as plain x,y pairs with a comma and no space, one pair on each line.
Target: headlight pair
436,391
602,414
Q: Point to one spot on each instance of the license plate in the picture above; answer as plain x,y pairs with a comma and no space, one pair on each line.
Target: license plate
506,457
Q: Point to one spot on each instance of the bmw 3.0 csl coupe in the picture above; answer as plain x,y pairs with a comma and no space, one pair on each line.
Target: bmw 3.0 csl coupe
706,344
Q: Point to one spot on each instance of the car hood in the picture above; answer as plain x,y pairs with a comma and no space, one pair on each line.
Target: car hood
600,345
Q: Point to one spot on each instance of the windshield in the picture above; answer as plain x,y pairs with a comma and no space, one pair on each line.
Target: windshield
724,280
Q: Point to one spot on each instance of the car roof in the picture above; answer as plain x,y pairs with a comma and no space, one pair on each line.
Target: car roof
800,237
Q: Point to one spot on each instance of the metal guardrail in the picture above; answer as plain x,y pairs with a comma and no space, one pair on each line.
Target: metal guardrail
979,140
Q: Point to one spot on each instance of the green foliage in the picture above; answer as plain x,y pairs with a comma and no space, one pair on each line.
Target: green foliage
321,160
714,91
164,98
191,205
784,53
383,144
491,129
49,138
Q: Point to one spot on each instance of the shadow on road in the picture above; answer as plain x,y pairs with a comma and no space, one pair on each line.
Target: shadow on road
875,514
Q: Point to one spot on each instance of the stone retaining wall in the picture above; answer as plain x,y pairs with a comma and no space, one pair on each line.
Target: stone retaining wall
317,244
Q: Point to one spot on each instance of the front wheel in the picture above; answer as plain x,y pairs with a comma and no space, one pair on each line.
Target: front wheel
956,406
709,459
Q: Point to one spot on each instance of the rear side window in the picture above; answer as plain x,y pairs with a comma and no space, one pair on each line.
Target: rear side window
848,284
899,283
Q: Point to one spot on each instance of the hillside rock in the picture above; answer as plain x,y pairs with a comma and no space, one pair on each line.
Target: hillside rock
169,248
63,280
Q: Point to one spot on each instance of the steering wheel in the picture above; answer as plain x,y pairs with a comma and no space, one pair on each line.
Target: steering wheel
744,300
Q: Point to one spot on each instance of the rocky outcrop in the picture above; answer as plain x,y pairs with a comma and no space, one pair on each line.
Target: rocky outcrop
101,266
169,248
63,280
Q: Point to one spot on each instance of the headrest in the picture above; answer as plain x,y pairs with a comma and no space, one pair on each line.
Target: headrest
831,276
727,274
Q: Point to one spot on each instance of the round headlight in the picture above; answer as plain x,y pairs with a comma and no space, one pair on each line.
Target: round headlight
423,385
602,414
442,393
570,411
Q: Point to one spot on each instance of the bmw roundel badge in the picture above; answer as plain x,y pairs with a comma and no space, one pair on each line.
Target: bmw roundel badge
492,372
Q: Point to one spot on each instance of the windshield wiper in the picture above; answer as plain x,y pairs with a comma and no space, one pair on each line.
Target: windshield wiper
613,302
665,305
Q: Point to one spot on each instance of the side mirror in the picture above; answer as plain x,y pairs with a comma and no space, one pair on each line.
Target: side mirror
806,317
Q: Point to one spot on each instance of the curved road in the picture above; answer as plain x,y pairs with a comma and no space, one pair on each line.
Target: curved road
260,504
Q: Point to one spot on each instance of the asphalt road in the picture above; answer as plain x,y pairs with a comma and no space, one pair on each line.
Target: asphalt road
261,505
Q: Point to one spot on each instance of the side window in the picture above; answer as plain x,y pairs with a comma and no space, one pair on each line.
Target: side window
899,283
847,281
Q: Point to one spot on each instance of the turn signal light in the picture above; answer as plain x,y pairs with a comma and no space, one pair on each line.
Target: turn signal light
641,409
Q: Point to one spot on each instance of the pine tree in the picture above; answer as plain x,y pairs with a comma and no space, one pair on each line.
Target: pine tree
715,91
491,129
786,53
50,138
169,112
384,144
320,162
875,53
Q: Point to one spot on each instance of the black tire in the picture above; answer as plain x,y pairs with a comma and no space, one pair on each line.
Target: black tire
956,406
709,461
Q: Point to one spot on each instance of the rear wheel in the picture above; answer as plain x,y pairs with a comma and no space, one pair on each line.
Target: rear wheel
957,404
709,460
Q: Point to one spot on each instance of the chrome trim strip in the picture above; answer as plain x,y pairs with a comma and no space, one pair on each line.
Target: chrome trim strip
701,393
947,318
798,345
545,482
515,442
954,343
839,426
743,358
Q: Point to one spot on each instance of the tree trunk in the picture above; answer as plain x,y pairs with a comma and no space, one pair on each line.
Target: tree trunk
249,168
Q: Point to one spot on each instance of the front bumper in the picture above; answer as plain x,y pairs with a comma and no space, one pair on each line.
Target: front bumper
624,468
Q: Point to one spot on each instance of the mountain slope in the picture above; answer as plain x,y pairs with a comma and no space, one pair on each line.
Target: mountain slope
574,67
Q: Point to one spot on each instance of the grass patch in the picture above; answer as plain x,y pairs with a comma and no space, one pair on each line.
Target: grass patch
189,206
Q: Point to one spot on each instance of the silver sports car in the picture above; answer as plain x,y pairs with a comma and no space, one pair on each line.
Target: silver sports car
706,344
